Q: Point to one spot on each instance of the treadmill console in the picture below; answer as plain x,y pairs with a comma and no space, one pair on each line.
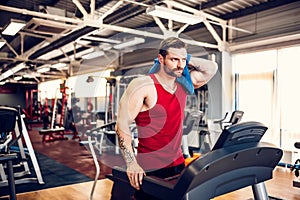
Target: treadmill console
246,132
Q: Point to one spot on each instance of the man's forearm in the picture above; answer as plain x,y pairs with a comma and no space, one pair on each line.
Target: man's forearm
203,65
126,148
202,70
127,154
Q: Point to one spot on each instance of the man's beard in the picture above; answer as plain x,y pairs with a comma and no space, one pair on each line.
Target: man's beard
172,72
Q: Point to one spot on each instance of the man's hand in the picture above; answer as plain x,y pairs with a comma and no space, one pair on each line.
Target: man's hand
135,175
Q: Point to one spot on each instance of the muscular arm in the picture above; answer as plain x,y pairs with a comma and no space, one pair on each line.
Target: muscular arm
131,103
202,70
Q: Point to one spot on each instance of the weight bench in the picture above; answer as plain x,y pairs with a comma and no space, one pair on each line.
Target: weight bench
236,161
50,135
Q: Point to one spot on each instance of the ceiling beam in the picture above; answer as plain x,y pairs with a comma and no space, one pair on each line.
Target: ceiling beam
97,24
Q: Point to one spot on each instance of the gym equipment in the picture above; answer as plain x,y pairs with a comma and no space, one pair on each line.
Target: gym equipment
296,167
95,140
56,133
50,135
13,133
237,160
191,119
203,102
8,158
99,133
235,118
109,99
7,123
63,109
33,106
73,117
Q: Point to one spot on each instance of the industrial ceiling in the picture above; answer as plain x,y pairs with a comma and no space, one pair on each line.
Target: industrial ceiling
65,32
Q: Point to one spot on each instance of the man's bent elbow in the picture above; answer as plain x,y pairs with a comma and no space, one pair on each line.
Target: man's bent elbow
214,68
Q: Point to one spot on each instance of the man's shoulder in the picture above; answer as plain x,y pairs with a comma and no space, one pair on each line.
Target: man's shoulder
142,80
142,86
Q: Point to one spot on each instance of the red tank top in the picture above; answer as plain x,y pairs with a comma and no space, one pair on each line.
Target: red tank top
160,129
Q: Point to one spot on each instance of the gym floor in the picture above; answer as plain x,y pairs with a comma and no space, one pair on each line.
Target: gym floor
70,153
280,187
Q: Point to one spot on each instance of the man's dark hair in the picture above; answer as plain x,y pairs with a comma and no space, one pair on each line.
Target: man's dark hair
171,42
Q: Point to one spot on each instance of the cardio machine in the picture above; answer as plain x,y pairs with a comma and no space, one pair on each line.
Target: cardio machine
296,167
237,160
18,165
235,118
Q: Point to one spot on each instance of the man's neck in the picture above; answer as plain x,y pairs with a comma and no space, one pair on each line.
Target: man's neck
168,82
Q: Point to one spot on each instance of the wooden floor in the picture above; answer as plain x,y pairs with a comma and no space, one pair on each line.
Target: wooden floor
280,187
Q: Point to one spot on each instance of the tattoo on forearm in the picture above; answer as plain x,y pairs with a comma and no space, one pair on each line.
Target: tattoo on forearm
128,156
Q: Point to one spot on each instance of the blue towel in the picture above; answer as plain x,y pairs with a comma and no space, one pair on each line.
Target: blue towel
185,80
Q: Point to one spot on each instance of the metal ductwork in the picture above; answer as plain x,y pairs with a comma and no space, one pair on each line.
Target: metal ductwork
62,41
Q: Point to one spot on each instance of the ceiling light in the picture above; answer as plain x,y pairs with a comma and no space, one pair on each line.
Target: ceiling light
43,69
18,67
31,74
174,15
59,65
28,76
129,43
12,71
13,27
92,55
2,43
17,78
6,74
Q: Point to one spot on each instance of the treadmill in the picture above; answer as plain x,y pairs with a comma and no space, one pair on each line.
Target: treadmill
237,160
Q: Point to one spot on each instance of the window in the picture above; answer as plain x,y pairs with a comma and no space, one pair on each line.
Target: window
289,89
256,91
268,92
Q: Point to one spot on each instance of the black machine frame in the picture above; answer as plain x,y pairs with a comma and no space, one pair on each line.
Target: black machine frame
238,160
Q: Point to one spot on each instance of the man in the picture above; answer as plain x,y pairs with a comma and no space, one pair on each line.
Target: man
156,102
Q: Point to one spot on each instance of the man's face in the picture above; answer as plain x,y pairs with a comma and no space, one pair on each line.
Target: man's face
174,62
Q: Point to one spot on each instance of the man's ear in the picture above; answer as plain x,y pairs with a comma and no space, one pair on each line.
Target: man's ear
160,58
